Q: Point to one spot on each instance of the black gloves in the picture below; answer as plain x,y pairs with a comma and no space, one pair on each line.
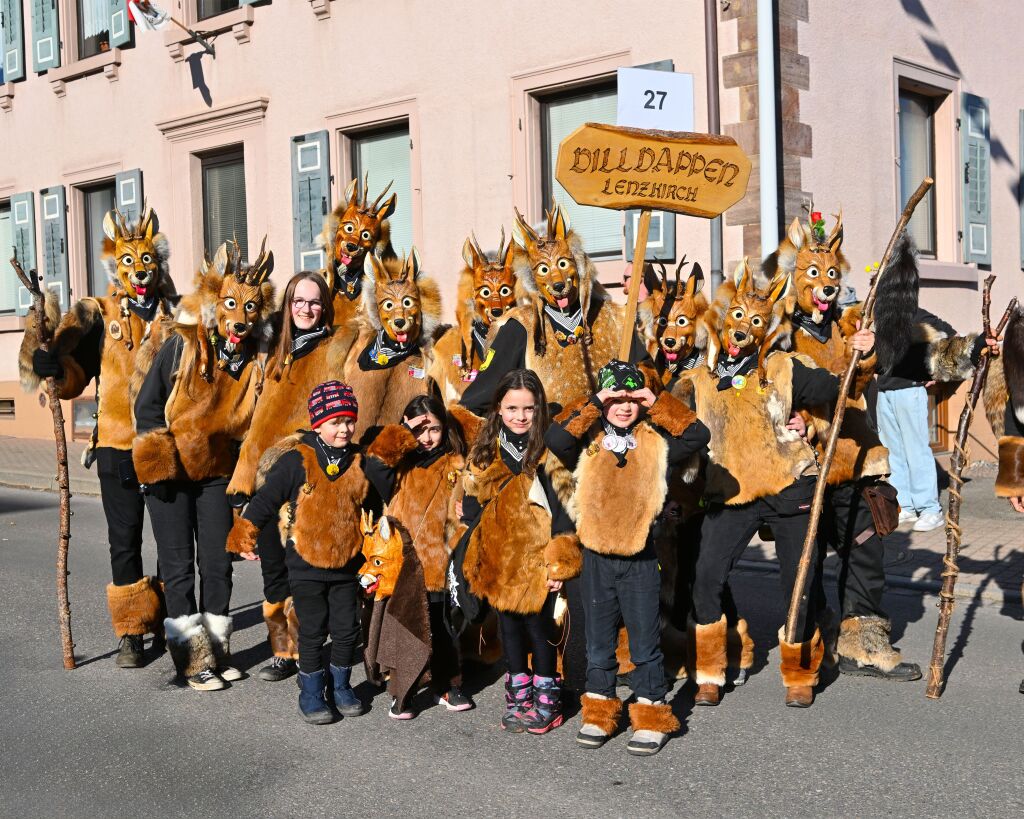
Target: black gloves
46,364
238,500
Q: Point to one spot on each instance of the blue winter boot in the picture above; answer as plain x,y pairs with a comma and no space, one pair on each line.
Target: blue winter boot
345,699
312,698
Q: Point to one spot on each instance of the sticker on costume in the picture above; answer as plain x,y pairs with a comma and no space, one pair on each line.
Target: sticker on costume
457,359
417,372
487,360
471,375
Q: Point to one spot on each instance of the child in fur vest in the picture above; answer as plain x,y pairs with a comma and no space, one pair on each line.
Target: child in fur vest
316,486
520,545
414,467
623,443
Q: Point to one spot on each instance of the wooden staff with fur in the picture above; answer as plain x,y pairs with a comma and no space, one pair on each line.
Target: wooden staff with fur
30,281
636,277
817,504
954,535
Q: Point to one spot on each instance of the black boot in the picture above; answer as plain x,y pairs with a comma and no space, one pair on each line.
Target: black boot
279,668
129,651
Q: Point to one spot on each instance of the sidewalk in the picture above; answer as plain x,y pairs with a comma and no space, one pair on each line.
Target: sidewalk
991,556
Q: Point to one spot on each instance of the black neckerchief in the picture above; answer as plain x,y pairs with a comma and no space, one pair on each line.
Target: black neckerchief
822,332
325,454
307,342
513,448
478,334
690,361
728,369
147,309
351,281
384,352
236,359
568,325
423,458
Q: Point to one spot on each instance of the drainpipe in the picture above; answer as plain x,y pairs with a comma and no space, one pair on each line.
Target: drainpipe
767,123
714,124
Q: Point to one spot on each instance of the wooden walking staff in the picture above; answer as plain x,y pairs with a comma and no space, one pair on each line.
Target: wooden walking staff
637,276
31,283
954,535
799,586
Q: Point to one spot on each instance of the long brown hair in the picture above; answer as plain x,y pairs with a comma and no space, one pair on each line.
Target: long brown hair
482,453
286,335
451,433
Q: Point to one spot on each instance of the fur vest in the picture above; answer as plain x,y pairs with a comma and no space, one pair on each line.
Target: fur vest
752,455
859,452
446,371
505,560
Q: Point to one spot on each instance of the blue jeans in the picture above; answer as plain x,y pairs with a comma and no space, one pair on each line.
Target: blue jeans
903,428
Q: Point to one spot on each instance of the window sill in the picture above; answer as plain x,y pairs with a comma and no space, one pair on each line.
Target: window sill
10,323
109,62
6,96
932,270
237,21
321,8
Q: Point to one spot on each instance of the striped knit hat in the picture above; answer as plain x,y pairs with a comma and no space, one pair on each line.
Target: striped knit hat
331,400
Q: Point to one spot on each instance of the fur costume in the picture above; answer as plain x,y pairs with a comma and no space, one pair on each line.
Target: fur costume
189,644
653,717
604,713
208,411
507,553
866,640
393,291
102,337
1004,406
739,646
709,643
801,662
136,608
282,628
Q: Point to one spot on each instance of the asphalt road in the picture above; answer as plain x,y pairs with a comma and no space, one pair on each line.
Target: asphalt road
100,741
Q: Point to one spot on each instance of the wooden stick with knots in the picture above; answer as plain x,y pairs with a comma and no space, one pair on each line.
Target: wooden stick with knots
799,597
30,281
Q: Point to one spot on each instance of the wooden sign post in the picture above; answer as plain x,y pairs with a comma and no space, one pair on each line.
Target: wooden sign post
611,166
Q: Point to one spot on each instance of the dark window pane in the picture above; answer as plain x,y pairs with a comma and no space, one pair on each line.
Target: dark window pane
8,283
93,27
224,214
384,155
99,200
210,8
917,160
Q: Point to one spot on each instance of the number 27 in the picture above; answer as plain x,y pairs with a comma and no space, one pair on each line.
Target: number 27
650,99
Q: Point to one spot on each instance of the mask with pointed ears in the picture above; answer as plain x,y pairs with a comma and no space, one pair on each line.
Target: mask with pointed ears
815,266
356,229
134,254
672,315
382,553
400,299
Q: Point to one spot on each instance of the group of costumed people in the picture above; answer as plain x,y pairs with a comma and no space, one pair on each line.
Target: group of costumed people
403,482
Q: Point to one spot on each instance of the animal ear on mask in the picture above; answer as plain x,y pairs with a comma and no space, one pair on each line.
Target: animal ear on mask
385,527
366,522
412,269
778,287
222,258
835,239
526,235
795,233
109,228
560,223
469,255
741,276
505,251
352,191
372,268
695,283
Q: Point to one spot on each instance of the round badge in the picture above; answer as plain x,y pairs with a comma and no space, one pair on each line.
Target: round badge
382,359
332,469
631,442
608,443
115,330
739,381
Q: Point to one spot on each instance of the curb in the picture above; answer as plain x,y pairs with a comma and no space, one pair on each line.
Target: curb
78,487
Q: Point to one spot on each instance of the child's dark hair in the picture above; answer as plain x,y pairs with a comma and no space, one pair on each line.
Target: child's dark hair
451,433
482,453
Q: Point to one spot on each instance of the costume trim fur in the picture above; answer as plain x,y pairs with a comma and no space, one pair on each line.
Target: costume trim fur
155,455
135,608
281,638
468,421
563,557
588,416
896,304
995,396
739,646
710,649
671,414
31,342
602,713
866,640
1010,479
242,537
653,717
393,443
219,628
801,662
947,358
189,644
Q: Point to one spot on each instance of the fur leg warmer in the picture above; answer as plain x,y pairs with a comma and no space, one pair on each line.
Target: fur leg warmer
135,608
739,646
156,457
242,537
801,662
866,640
654,717
219,628
563,557
189,644
710,647
279,618
1010,480
601,713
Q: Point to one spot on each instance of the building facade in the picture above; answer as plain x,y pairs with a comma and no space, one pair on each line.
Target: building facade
463,105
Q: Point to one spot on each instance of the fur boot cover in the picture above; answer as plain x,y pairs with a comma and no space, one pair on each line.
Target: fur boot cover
189,644
801,662
219,628
563,557
1010,479
602,713
242,538
866,640
135,608
282,639
739,646
710,643
653,717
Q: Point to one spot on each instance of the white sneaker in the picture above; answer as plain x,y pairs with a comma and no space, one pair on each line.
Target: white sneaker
929,521
907,516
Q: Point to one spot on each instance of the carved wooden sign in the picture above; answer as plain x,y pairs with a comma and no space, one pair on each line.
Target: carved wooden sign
610,166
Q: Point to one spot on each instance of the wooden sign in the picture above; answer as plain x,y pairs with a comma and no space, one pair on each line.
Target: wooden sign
610,166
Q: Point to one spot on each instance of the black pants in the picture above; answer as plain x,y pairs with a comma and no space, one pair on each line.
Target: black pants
272,565
847,525
327,607
124,510
725,534
193,527
687,551
445,662
623,590
522,634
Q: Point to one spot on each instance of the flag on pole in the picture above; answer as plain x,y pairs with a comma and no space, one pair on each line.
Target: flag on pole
147,16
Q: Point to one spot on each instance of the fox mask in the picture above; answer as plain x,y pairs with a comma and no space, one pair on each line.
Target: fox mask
395,301
356,229
135,257
549,262
815,267
382,551
672,315
493,281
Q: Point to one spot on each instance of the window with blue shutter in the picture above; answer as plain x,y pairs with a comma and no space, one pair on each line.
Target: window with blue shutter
13,40
128,194
54,223
661,239
311,197
120,25
23,227
977,180
45,35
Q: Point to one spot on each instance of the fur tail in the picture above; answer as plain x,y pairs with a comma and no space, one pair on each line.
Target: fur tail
31,341
896,303
1013,362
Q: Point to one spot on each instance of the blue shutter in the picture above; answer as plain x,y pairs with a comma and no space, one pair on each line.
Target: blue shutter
120,25
23,228
14,40
128,194
54,218
45,35
311,197
661,240
977,179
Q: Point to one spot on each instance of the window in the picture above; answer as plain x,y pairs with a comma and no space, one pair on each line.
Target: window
938,416
83,418
7,408
211,8
560,115
224,214
917,160
98,200
9,282
93,27
384,155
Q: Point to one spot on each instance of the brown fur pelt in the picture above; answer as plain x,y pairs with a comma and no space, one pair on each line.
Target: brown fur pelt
866,640
710,651
801,662
563,557
280,631
655,717
996,394
189,644
31,342
155,456
135,608
242,537
739,646
604,713
946,358
1010,479
467,421
383,394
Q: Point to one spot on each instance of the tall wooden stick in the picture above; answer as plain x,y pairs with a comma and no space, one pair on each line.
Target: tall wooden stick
31,283
637,276
954,535
799,586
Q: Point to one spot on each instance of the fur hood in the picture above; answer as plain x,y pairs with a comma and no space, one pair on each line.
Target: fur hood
408,271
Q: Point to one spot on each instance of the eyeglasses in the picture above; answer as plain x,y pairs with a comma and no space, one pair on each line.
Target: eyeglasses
314,304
